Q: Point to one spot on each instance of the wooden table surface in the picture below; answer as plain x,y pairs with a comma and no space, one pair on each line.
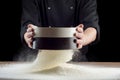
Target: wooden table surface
100,64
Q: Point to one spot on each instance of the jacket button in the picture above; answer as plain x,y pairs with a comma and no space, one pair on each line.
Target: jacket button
71,7
49,8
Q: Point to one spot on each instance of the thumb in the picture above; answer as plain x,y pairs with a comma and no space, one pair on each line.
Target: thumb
31,26
81,25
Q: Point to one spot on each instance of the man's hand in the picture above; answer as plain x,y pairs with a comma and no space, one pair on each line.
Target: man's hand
84,37
79,34
28,36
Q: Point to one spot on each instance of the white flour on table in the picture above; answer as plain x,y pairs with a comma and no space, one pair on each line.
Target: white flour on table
52,65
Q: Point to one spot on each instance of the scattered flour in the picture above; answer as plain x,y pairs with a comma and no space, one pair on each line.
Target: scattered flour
52,65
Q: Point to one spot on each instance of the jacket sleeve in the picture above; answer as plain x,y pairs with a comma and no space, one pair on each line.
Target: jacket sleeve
89,17
29,16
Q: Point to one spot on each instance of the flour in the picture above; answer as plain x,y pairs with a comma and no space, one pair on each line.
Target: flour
52,65
46,59
68,71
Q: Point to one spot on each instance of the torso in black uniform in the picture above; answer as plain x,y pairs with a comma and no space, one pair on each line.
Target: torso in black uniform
60,13
57,12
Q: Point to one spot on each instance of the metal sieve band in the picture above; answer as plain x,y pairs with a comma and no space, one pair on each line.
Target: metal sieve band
54,32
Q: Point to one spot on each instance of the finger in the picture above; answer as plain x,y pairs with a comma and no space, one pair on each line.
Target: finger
78,35
30,25
79,46
30,29
79,28
30,45
27,39
29,34
80,25
79,41
29,42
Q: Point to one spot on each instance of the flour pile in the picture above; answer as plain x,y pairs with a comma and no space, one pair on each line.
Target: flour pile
46,59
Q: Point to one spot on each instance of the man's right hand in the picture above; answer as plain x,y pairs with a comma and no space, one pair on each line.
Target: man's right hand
28,36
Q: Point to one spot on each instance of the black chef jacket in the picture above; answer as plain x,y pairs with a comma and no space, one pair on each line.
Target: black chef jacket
60,13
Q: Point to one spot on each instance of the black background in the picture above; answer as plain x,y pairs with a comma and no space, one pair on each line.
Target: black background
106,50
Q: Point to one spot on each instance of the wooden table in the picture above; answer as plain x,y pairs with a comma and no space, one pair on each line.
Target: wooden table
107,64
100,64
